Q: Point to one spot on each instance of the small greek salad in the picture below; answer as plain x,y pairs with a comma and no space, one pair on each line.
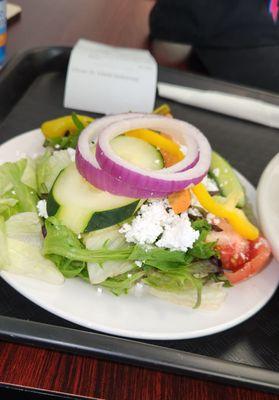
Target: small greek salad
130,203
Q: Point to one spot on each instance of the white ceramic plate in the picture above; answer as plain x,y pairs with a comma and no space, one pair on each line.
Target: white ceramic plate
144,317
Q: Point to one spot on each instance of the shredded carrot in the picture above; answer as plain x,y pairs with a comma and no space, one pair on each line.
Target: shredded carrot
169,159
180,201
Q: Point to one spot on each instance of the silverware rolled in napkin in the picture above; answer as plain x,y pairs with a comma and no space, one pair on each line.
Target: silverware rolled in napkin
254,110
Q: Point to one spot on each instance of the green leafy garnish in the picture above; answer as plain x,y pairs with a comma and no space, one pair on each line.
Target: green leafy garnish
69,140
121,284
80,126
202,249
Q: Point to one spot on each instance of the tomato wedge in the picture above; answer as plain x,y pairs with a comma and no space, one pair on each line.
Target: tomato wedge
260,253
233,248
241,258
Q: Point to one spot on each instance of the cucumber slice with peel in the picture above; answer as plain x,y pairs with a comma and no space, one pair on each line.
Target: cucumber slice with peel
226,179
138,152
82,207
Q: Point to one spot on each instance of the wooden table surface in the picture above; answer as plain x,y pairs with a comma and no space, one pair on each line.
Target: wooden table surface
125,23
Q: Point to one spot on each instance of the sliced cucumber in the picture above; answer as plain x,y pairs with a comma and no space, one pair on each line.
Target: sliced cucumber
82,207
111,239
138,152
226,178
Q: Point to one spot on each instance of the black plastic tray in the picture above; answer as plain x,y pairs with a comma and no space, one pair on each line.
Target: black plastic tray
31,91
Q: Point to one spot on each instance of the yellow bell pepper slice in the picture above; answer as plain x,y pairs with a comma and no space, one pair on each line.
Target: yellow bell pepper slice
58,127
164,109
233,215
158,141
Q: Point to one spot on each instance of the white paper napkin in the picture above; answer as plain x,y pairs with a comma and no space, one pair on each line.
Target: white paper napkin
110,80
236,106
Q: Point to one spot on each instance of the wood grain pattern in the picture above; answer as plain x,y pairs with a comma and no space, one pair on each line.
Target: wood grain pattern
124,23
66,373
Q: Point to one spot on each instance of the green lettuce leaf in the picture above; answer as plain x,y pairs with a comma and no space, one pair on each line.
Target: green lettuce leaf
12,187
25,227
63,242
202,249
29,174
48,167
21,249
4,255
179,280
160,258
212,296
7,203
69,268
64,142
110,239
121,284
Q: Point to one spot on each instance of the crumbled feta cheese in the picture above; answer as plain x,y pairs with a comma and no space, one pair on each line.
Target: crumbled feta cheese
42,208
194,211
99,291
156,219
57,146
138,263
210,184
79,236
179,235
243,256
72,153
212,219
139,289
216,172
259,243
148,224
13,192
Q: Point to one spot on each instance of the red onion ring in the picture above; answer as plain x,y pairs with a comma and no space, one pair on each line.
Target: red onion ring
164,181
89,168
